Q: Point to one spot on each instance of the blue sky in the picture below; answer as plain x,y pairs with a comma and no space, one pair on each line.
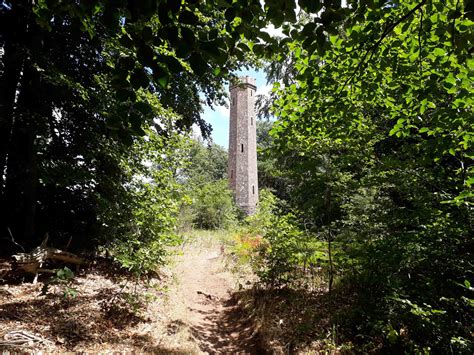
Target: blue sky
219,117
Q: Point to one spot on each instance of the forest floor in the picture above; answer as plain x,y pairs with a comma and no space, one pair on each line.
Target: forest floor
190,308
203,301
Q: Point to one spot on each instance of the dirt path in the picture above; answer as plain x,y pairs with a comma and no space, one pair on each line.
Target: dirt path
203,304
190,309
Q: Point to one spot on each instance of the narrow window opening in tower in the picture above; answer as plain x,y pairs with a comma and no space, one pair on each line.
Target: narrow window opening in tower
233,101
251,92
253,189
251,121
242,148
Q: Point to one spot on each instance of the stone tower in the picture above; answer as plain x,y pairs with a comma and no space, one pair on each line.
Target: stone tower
242,168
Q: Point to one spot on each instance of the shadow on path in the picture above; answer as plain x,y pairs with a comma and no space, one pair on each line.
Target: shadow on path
224,331
214,319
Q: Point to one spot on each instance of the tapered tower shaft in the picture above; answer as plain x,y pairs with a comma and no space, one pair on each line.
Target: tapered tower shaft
242,167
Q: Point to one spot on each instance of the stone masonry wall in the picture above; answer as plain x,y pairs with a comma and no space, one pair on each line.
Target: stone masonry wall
242,166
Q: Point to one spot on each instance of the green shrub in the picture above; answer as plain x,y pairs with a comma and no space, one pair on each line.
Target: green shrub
212,205
280,251
151,205
150,233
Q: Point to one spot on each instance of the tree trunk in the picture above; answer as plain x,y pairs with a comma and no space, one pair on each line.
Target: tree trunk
13,26
30,112
331,265
8,87
20,187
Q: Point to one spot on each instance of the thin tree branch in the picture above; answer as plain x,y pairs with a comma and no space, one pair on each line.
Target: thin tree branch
453,34
13,239
387,31
419,43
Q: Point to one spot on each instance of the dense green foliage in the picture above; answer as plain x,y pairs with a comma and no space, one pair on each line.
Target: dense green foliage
371,152
153,196
81,81
281,250
76,80
281,246
204,180
270,175
374,132
205,163
212,206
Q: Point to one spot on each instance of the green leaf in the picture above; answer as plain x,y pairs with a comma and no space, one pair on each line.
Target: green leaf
212,47
198,64
145,55
470,181
264,36
450,79
310,6
392,336
394,130
139,79
188,18
439,52
258,49
423,106
143,107
173,64
414,56
123,95
308,29
163,80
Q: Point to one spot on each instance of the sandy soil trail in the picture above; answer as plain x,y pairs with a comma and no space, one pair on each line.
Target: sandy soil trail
203,304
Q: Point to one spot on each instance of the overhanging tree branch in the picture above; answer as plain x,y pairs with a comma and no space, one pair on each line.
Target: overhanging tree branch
384,35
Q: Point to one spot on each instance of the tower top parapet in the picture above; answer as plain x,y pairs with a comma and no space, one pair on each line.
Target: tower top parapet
244,81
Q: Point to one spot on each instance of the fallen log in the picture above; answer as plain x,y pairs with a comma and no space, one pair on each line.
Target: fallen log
33,261
41,254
